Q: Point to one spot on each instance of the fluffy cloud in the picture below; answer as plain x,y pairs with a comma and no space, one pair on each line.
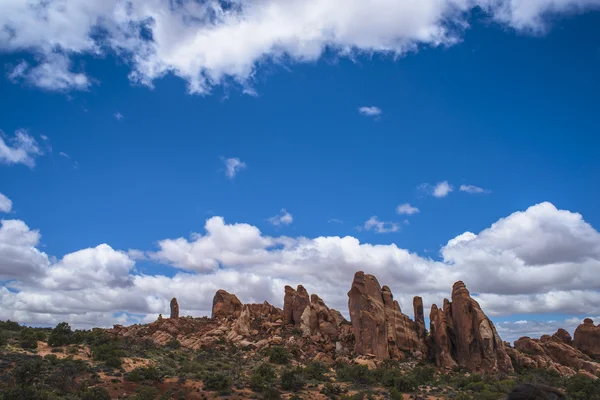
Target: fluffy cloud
471,189
283,218
439,190
371,111
233,166
5,204
406,209
378,226
20,149
541,260
207,43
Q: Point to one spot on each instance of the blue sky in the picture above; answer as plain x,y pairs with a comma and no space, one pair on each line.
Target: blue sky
508,105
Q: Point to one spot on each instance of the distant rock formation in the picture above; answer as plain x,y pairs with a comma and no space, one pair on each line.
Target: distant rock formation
226,305
174,308
460,336
552,352
587,338
380,327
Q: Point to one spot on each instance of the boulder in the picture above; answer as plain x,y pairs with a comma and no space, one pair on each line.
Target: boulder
587,338
226,305
563,336
367,314
174,308
325,359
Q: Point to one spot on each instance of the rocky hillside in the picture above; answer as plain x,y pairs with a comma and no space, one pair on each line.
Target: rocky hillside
460,335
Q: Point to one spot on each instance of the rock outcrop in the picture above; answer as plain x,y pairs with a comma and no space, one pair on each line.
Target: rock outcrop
288,301
376,316
441,342
587,338
226,305
367,314
419,315
463,335
174,308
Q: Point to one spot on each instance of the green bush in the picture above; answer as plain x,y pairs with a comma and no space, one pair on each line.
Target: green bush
28,339
3,339
278,355
396,394
580,387
315,371
173,344
262,376
146,393
141,374
356,374
292,379
270,393
94,393
61,335
218,382
331,390
109,353
423,375
28,372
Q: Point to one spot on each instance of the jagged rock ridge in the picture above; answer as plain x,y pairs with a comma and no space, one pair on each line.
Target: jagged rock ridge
460,335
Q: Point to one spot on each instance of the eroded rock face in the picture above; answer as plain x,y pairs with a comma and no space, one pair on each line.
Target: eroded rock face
288,301
299,303
226,305
563,336
440,334
367,314
587,338
419,315
174,308
478,346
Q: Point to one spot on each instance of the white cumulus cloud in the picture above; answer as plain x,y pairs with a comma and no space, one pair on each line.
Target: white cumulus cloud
5,204
283,218
472,189
207,43
22,148
406,209
233,166
370,111
378,226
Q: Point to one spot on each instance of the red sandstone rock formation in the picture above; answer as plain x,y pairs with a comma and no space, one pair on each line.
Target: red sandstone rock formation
288,301
367,313
174,308
478,346
226,305
440,334
587,338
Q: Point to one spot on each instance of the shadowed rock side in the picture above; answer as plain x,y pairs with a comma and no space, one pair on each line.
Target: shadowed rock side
462,335
587,338
226,305
380,327
174,308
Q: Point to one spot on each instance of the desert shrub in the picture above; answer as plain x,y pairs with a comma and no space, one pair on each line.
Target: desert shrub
423,375
63,373
405,383
292,379
278,355
315,371
141,374
331,390
3,339
9,325
146,393
463,396
218,382
269,392
94,393
356,374
109,353
580,387
28,338
396,394
61,335
173,344
28,372
262,376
